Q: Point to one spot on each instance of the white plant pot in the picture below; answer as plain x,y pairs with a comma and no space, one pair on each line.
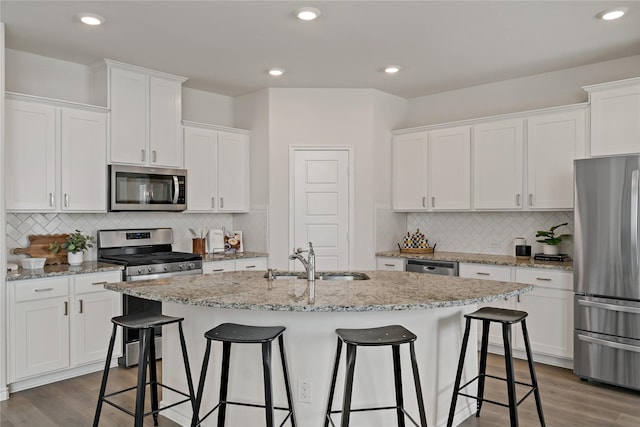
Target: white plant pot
75,258
550,249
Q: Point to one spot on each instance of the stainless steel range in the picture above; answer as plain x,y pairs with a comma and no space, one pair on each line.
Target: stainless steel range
145,253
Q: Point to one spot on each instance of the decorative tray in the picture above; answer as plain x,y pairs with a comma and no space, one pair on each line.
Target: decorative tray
416,250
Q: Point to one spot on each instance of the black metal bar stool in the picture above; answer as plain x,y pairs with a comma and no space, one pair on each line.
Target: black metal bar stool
393,336
229,333
145,323
506,318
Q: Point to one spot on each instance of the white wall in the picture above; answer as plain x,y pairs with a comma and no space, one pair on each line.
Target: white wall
562,87
207,107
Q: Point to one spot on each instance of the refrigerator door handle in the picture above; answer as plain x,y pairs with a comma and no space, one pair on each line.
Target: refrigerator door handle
612,307
635,181
607,343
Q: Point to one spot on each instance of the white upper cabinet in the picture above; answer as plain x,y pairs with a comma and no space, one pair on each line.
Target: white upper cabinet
55,156
449,168
555,139
146,114
498,162
615,117
217,163
410,172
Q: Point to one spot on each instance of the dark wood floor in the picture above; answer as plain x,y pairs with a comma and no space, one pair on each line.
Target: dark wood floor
567,402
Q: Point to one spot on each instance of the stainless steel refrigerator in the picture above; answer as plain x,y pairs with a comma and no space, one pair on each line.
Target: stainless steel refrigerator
607,270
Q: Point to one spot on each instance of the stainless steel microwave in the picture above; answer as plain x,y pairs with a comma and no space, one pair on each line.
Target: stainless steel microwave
139,188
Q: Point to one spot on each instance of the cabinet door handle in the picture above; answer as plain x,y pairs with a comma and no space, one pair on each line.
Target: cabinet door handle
66,308
154,156
424,202
51,200
213,202
433,201
66,200
43,289
81,306
142,151
530,199
98,283
543,279
482,273
518,199
518,298
221,202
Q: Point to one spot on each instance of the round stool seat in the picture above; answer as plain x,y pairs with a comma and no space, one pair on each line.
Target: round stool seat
384,335
144,320
235,333
500,315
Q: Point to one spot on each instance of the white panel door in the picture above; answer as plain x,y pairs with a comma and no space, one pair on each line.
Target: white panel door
129,121
30,156
409,178
83,166
554,141
165,115
497,157
321,206
200,160
450,168
233,172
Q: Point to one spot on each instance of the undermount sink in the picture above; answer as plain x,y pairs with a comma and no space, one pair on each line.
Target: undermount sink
322,275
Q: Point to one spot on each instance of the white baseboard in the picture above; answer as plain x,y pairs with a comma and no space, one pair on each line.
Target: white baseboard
4,394
53,377
174,416
560,362
462,413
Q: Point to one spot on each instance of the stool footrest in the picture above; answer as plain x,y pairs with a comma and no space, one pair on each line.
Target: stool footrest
115,393
377,408
531,390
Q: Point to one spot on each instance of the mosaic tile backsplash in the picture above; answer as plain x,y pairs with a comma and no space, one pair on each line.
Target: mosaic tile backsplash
19,226
489,232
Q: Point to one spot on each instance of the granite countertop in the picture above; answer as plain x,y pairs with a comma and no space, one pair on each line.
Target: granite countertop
385,291
238,255
62,270
483,259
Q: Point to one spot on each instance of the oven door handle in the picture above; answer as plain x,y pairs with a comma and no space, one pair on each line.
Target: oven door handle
176,189
611,344
612,307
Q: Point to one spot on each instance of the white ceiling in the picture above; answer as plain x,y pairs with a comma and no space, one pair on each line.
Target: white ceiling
226,46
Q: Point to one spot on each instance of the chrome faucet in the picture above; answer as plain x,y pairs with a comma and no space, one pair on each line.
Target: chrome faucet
309,265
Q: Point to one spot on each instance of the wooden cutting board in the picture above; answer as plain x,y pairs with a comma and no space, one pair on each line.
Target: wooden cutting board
39,248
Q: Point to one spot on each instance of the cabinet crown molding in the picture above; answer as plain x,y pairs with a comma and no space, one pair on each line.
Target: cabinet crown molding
219,128
54,102
154,73
612,85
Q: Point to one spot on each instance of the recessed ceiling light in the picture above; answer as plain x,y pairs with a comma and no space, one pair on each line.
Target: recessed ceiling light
391,69
307,13
276,72
91,19
611,14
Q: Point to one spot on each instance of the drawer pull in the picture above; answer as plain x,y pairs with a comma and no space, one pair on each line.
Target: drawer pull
250,266
218,269
43,289
98,283
480,273
543,279
611,344
390,265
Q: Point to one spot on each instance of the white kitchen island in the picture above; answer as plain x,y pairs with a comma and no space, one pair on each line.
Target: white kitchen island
430,306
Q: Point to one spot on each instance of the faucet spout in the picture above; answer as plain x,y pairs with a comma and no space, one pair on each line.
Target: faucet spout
309,265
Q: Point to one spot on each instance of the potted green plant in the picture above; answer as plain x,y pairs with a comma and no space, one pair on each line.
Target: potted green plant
549,239
75,246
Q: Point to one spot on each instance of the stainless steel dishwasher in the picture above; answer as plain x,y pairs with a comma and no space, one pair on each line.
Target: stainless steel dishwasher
443,268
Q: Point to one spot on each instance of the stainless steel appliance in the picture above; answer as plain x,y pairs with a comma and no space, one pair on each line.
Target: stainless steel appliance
138,188
607,270
443,268
145,254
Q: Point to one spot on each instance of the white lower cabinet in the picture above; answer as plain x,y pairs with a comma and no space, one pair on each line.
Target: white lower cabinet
244,264
549,307
390,263
59,323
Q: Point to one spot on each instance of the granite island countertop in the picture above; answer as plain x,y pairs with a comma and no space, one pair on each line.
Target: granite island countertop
62,270
385,291
505,260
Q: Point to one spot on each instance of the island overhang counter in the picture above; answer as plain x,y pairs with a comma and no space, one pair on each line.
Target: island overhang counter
432,307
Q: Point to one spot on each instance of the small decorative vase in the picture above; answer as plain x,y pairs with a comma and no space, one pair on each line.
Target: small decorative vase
75,258
550,249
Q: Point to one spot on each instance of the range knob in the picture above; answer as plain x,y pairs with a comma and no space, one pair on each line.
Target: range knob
150,269
141,270
166,268
192,265
181,266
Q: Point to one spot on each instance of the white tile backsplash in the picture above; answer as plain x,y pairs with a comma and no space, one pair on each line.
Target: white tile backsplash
489,232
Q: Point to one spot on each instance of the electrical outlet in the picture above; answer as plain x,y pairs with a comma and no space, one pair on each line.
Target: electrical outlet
304,391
